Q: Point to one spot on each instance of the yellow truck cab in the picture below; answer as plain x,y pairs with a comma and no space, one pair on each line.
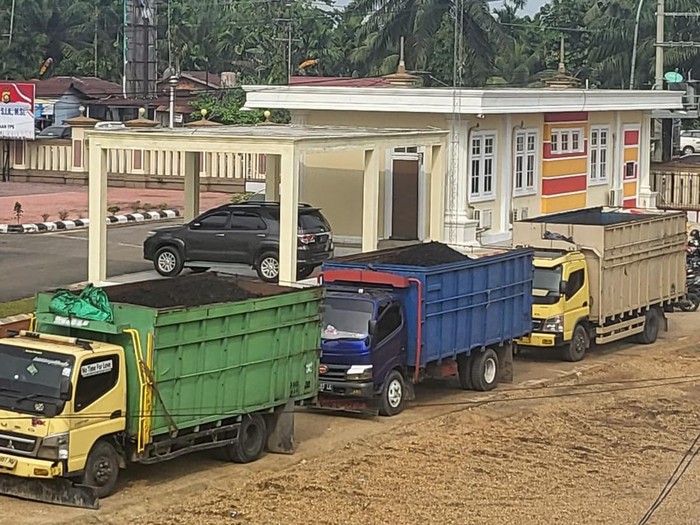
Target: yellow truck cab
560,292
56,394
602,275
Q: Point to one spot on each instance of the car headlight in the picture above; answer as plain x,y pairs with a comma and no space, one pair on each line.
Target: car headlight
553,324
359,373
54,447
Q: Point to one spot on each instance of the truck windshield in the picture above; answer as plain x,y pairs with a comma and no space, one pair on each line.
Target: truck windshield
346,318
545,285
30,380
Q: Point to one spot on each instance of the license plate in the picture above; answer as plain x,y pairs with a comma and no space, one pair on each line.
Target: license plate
325,387
7,462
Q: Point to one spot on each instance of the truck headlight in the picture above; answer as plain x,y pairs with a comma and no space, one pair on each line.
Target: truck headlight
553,324
359,373
54,447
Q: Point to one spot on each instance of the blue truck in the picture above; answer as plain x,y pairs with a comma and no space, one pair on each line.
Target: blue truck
394,317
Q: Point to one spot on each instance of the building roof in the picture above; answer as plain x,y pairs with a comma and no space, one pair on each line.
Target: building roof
338,81
445,100
212,80
90,87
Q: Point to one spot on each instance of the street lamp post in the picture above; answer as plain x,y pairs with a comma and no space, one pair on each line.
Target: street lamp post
172,82
634,44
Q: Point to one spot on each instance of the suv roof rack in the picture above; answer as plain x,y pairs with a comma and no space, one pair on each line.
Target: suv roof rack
264,203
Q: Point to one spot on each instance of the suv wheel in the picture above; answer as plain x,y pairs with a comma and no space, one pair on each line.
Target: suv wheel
268,267
305,272
168,261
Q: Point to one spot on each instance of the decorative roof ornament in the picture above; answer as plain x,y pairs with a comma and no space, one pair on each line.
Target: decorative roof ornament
561,79
401,78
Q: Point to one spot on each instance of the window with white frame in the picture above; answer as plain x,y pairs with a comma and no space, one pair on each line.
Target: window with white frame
482,153
525,162
599,144
563,141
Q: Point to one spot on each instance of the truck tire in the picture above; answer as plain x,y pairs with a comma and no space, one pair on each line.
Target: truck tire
252,436
393,396
101,469
484,372
577,347
267,267
651,327
168,261
464,371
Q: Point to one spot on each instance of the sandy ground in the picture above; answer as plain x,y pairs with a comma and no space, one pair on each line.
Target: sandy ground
593,444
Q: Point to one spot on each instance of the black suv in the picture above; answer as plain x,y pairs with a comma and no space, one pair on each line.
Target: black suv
247,233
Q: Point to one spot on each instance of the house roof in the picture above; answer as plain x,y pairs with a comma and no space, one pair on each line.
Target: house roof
337,81
90,87
465,101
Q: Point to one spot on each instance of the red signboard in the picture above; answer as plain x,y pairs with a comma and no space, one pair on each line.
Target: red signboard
16,110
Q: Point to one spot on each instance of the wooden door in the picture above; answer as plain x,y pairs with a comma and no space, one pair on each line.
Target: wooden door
404,210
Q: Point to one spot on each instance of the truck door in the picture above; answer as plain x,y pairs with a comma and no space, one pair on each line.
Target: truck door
576,296
388,341
99,404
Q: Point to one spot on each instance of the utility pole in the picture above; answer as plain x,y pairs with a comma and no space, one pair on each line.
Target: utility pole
289,41
12,22
660,19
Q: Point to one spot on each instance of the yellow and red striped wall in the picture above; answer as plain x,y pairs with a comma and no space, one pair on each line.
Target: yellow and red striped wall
630,166
564,175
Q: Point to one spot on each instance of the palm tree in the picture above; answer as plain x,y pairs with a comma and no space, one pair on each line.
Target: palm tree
419,21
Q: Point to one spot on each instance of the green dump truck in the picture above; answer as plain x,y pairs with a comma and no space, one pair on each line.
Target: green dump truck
167,367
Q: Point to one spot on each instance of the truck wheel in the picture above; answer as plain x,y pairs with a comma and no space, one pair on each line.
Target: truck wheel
168,261
393,395
101,469
484,371
577,346
464,371
252,436
651,327
690,303
268,267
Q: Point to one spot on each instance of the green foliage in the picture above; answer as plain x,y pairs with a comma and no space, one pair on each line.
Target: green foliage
225,107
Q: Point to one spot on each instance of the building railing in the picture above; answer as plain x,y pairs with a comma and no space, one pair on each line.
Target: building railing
677,187
60,156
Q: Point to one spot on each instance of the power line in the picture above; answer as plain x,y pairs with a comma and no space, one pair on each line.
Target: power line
676,476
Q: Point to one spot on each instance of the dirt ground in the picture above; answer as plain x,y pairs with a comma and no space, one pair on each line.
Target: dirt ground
593,444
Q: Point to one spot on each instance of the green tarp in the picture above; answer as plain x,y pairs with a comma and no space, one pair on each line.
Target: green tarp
92,304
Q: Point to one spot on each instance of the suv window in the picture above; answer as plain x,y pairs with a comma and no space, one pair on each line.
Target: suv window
389,321
97,376
246,221
215,221
312,220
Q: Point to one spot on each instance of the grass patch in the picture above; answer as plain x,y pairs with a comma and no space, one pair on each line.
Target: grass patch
20,306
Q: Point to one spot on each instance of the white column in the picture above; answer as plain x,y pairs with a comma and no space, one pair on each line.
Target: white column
459,228
97,206
618,158
272,178
192,170
289,215
438,174
646,199
370,201
506,189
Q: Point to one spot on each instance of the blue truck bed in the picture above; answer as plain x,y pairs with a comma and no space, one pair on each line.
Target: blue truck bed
466,305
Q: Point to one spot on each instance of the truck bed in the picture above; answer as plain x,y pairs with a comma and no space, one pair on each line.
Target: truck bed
222,345
467,303
634,260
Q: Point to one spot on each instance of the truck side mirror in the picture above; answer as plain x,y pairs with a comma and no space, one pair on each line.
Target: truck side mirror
65,389
563,287
372,327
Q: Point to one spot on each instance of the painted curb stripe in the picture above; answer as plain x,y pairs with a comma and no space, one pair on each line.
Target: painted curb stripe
40,227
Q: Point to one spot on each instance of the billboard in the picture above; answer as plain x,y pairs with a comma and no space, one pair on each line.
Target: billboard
16,110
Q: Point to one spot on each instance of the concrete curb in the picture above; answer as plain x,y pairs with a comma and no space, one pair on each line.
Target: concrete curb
42,227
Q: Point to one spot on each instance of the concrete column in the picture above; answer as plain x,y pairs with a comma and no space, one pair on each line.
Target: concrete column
370,201
618,160
192,174
97,206
647,199
506,188
459,228
289,215
438,174
272,178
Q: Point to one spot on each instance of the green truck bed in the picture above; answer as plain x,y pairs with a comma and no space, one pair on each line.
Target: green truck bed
221,346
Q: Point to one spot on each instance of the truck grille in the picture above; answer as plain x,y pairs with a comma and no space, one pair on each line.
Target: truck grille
16,444
335,373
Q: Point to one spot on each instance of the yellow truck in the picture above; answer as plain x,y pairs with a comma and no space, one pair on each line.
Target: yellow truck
602,275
